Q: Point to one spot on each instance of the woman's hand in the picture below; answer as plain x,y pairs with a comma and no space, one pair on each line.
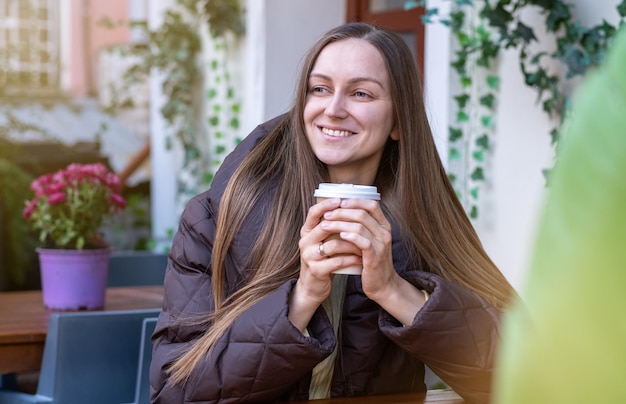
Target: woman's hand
317,263
363,224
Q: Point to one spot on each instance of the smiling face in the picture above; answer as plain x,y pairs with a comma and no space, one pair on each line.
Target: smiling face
348,114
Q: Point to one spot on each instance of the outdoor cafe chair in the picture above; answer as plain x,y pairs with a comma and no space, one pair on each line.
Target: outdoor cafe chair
89,357
142,388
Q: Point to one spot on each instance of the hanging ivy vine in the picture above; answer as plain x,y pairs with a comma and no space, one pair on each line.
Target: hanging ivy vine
174,49
482,29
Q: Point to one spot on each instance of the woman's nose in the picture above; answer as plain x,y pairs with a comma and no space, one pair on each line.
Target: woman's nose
336,106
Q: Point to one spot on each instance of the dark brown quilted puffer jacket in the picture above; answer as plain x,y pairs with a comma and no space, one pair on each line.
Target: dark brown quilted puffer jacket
264,358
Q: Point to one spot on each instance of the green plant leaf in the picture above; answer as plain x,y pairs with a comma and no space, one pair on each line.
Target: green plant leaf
474,192
478,174
478,155
493,82
456,20
487,100
483,141
524,32
462,116
621,9
461,100
411,4
559,14
426,17
473,212
454,154
486,120
454,134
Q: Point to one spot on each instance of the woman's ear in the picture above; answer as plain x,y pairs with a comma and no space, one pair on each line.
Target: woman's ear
394,134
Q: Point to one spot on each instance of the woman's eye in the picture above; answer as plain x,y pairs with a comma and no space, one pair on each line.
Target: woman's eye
318,90
361,94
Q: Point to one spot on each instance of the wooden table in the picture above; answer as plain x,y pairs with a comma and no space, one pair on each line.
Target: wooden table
24,322
432,396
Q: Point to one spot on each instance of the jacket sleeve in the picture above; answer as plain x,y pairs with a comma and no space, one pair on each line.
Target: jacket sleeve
455,334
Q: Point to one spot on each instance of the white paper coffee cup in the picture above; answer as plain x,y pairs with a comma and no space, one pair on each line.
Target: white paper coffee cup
328,190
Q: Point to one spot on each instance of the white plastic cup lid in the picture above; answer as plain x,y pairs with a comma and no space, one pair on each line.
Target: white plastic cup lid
346,191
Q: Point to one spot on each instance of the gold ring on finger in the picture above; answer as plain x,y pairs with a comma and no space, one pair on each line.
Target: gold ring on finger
320,250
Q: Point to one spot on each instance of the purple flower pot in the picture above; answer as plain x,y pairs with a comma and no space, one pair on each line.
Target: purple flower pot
74,279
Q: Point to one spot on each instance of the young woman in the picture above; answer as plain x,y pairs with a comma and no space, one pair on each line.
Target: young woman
252,310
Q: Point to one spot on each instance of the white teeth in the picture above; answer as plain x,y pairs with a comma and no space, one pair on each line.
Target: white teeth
336,133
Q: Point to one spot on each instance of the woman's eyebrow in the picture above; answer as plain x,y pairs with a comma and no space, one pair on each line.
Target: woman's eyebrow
351,81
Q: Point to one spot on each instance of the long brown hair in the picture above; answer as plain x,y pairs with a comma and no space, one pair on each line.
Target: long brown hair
411,179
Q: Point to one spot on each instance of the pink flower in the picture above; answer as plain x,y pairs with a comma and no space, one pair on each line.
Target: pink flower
29,209
118,200
82,196
57,198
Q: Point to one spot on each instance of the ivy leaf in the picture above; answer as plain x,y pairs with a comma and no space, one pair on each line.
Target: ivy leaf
411,4
454,154
559,14
621,9
214,121
462,99
474,192
487,100
576,62
479,156
524,32
234,123
486,120
466,81
493,82
537,58
478,174
554,136
483,142
498,17
482,33
459,66
463,39
473,212
456,20
207,178
454,134
462,116
426,17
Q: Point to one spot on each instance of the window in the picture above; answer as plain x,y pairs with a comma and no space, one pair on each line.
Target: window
29,45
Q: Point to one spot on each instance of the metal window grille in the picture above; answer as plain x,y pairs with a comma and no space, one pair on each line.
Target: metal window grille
29,44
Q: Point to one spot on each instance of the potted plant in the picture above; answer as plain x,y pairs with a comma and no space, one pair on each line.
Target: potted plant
68,209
